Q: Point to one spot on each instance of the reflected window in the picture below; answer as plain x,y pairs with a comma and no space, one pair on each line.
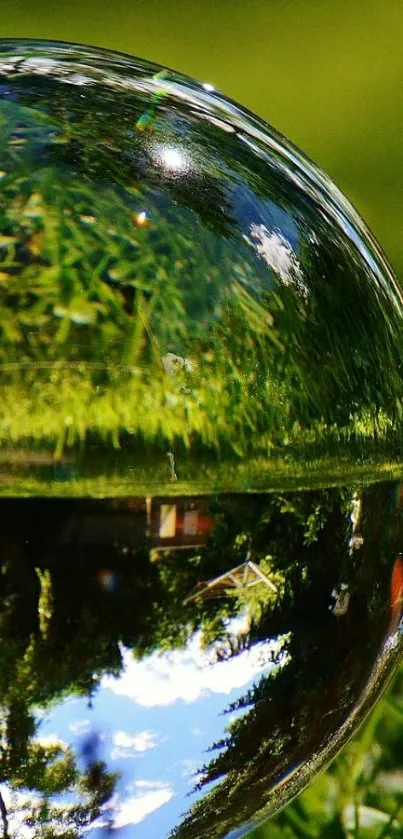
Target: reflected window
167,521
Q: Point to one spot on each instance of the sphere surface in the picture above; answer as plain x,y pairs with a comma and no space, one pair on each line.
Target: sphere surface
200,411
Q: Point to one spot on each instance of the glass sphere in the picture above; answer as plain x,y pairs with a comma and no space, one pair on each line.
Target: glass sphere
200,483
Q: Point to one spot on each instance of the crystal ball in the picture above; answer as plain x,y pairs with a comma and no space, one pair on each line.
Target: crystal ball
201,578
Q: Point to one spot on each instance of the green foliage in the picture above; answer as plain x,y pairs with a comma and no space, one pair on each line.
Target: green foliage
45,602
360,796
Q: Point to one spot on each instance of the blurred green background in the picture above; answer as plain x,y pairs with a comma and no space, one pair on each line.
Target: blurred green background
329,76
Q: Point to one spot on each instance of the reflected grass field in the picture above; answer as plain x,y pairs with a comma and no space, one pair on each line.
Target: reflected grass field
121,474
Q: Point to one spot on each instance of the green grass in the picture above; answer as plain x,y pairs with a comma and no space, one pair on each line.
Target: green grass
122,474
91,303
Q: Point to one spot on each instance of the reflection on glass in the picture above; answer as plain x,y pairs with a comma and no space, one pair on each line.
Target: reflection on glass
201,582
168,657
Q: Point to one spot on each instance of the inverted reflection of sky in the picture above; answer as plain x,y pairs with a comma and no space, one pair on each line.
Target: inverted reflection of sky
157,744
248,209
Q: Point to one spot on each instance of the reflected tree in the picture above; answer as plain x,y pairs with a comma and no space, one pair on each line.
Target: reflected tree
318,674
43,792
77,585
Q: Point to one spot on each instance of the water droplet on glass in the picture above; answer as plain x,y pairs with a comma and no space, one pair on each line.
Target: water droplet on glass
201,501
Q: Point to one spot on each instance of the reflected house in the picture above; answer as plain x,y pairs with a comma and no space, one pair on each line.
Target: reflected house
164,523
109,522
181,522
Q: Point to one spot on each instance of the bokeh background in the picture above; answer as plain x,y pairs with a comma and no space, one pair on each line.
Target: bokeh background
329,76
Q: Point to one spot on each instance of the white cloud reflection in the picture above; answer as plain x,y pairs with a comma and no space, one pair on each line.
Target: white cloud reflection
18,805
128,746
186,675
144,798
134,809
53,739
278,255
80,727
